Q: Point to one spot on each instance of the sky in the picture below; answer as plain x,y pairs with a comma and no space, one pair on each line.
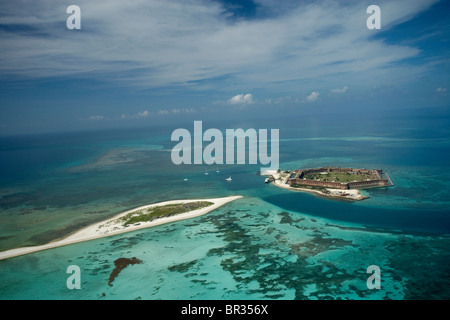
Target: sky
150,62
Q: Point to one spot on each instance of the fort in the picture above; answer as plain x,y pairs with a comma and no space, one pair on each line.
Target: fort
335,182
339,178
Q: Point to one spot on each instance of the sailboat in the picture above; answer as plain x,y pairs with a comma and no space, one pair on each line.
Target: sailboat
228,179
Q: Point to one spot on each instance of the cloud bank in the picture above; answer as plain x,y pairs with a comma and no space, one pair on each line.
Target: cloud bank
195,45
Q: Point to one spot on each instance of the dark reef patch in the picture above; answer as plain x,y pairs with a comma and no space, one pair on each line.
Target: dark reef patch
285,218
121,264
266,273
182,267
423,265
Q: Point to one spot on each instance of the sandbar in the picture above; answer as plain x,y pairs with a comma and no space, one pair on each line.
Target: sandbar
110,227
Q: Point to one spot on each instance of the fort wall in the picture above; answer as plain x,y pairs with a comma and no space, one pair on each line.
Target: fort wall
313,183
297,178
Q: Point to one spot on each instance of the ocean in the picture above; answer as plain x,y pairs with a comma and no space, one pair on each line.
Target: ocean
271,244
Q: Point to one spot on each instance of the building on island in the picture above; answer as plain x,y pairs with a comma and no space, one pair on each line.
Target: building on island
373,178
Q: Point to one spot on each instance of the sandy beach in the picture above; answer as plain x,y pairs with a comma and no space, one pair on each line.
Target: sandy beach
350,194
111,227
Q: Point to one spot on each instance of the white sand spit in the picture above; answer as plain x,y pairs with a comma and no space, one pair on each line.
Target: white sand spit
112,227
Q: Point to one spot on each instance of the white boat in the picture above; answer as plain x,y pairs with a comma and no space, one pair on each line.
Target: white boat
206,173
185,179
267,180
228,179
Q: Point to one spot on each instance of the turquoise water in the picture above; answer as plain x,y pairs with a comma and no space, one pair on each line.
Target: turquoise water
271,244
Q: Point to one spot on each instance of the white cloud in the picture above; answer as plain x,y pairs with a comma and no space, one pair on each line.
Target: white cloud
313,96
161,112
343,90
183,110
241,99
96,117
155,43
143,114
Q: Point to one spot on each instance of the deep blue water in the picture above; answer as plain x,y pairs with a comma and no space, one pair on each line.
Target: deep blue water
75,169
53,184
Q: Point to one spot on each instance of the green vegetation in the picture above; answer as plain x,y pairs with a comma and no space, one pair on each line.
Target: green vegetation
342,177
168,210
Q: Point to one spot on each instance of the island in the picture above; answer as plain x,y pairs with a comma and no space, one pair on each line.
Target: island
142,217
330,182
